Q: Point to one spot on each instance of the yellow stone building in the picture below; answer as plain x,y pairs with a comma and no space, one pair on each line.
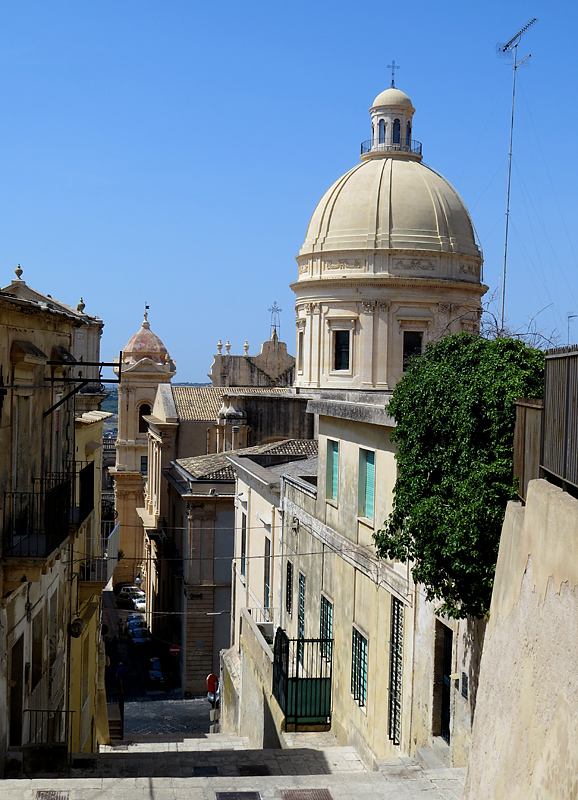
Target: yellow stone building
54,561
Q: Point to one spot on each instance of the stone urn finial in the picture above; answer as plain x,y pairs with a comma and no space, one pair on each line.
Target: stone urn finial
18,272
219,346
81,306
228,347
246,347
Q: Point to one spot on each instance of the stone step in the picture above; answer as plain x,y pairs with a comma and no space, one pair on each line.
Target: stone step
430,759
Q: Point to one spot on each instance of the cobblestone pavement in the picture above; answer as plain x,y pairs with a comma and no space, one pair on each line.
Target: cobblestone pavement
157,716
198,768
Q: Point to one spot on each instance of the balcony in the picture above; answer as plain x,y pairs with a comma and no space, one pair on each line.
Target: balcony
37,523
403,146
98,569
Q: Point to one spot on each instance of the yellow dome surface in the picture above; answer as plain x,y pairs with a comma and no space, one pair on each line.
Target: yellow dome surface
391,203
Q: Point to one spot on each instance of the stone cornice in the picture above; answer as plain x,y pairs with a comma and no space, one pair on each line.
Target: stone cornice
386,280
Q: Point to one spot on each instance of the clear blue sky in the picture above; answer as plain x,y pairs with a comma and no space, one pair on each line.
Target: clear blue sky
172,152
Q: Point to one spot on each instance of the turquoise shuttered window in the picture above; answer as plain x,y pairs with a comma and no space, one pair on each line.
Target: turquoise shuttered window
332,469
366,483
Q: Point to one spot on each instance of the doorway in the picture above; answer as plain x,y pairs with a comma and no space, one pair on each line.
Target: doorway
442,681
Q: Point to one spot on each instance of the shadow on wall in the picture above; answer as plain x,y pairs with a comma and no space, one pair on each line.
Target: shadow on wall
271,739
473,643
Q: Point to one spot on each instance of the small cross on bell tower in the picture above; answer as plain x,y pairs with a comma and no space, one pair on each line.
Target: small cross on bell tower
393,68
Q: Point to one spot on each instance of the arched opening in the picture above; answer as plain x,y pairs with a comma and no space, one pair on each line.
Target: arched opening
381,131
408,134
143,411
396,131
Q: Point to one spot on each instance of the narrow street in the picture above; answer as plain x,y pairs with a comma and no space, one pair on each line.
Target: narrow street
149,709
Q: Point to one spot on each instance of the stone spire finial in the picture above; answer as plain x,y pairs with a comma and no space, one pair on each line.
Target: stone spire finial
219,346
145,323
246,347
18,272
228,347
81,306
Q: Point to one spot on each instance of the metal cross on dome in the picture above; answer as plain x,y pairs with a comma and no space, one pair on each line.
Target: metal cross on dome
393,68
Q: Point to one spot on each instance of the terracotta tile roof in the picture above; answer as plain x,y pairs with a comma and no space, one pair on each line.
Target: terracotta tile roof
217,467
203,402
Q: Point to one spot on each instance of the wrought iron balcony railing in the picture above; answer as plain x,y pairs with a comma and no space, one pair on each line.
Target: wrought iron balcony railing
35,523
403,146
99,568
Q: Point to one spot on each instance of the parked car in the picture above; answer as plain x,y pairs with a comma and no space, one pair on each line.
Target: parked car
132,598
155,673
134,624
140,638
134,616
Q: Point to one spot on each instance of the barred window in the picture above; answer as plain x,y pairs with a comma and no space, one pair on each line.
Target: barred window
395,671
359,668
289,588
326,628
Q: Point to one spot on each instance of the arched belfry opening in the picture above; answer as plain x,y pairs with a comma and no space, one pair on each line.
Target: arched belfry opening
396,131
144,410
381,131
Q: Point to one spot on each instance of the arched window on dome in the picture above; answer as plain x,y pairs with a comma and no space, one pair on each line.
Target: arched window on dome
143,411
381,131
408,134
396,131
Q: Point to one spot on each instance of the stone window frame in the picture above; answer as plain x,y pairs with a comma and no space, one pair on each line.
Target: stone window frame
335,324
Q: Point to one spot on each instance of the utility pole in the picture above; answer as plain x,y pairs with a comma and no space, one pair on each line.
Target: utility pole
509,47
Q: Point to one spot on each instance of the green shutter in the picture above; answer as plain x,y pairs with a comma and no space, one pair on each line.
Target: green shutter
369,483
335,466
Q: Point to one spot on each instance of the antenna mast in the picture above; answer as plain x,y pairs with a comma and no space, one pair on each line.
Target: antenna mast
511,46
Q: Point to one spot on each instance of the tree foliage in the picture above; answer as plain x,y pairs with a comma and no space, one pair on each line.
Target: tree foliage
455,415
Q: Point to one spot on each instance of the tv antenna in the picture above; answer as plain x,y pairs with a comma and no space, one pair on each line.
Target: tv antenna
275,318
511,46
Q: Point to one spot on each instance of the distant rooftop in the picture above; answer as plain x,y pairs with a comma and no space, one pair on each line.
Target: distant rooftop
217,467
203,402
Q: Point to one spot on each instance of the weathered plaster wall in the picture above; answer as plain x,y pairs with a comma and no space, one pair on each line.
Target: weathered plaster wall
524,743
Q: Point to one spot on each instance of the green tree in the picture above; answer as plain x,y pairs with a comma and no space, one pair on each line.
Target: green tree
455,415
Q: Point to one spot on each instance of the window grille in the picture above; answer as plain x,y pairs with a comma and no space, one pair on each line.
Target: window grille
289,588
243,544
395,670
326,628
301,615
267,575
359,668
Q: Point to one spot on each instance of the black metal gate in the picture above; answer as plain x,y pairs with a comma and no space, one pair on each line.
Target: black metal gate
302,679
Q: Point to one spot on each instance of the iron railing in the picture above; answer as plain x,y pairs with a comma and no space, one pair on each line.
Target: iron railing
403,146
46,726
36,523
302,680
100,568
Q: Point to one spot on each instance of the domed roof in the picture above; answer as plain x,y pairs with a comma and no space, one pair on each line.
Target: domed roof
392,97
145,344
391,203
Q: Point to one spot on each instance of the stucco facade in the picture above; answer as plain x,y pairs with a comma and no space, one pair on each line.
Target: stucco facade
527,709
50,488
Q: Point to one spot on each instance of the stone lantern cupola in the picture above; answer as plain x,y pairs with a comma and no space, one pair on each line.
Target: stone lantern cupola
391,126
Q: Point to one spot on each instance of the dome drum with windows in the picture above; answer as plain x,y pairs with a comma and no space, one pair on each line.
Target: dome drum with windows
390,261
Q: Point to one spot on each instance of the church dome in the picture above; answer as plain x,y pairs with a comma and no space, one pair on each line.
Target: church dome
145,344
391,203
